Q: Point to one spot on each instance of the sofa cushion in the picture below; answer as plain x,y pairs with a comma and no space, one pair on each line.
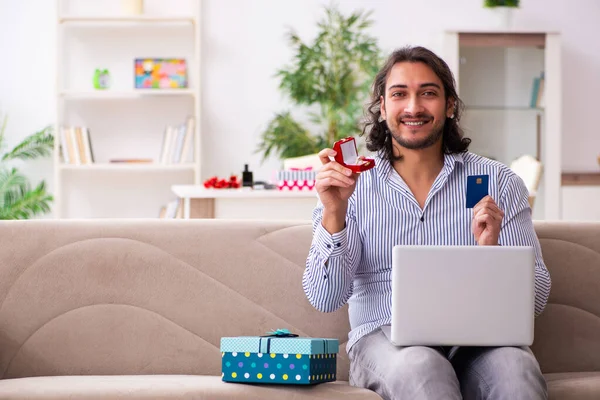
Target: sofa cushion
573,385
143,297
168,386
567,334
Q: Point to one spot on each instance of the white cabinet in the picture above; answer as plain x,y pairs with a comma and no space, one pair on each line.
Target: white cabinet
580,197
581,203
126,125
245,203
495,73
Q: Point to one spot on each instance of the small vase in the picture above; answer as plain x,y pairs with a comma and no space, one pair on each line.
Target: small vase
132,7
504,17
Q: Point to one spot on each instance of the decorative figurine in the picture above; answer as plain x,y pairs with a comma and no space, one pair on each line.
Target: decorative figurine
101,79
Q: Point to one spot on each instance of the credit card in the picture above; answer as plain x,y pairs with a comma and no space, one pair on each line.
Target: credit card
477,189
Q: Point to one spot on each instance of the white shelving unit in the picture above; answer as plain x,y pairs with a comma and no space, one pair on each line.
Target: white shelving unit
495,71
125,94
129,167
131,19
123,122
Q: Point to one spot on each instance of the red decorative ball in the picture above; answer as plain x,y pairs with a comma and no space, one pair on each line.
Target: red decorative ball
222,183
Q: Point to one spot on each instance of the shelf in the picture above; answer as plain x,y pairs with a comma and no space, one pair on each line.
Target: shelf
133,20
124,94
103,35
143,167
503,108
580,179
502,39
495,31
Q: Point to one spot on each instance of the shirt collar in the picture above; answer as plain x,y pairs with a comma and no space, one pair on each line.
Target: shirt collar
450,161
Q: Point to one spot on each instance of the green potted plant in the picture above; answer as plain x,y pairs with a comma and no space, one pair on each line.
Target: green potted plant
500,3
331,75
18,199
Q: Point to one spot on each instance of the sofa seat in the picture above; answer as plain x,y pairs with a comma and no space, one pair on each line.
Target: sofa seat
573,385
168,387
563,386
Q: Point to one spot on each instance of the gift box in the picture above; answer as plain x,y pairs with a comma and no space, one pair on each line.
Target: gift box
279,358
296,179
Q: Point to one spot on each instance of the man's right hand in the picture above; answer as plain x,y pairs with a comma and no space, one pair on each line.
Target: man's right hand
335,184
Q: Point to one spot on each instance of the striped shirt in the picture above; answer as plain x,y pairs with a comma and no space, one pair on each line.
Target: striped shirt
354,266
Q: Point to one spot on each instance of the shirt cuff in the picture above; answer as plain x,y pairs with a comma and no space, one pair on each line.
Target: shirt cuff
331,245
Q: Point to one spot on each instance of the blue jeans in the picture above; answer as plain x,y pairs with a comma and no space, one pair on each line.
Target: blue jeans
415,373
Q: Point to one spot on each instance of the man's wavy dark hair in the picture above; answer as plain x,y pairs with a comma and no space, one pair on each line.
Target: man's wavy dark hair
379,139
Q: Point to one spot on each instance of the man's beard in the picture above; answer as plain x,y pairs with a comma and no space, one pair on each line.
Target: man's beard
429,141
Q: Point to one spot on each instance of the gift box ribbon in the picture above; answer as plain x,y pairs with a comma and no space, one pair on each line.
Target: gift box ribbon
264,342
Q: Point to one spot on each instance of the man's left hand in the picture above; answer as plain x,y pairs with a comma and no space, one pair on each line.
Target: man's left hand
487,219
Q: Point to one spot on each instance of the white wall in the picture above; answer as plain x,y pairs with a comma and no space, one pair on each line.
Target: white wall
27,60
243,44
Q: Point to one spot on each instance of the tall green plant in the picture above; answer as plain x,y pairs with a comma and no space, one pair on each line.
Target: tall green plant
333,73
18,199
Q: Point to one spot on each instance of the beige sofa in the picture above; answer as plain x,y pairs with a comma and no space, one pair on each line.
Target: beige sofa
126,309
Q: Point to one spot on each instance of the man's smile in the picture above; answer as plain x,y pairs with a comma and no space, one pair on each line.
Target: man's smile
415,122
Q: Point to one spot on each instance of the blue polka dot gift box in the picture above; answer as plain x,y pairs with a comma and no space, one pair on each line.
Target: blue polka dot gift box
279,358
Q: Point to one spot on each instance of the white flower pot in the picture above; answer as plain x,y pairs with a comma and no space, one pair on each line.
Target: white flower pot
503,17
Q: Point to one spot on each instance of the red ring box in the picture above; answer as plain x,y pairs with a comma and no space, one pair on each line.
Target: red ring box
347,155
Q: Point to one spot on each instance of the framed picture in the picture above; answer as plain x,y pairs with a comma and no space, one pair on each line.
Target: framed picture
160,73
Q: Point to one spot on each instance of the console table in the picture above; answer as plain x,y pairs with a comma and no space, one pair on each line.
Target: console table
245,203
581,196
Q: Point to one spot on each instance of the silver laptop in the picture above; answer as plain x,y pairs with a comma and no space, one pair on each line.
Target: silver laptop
462,296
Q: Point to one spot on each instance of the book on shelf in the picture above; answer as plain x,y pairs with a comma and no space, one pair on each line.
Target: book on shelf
75,145
537,92
177,146
173,210
177,143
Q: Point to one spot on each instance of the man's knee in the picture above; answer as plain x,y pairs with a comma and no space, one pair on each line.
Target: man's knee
423,373
507,372
513,363
422,364
406,373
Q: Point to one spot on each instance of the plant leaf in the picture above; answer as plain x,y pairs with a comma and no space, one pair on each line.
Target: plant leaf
17,199
286,138
33,146
12,185
28,204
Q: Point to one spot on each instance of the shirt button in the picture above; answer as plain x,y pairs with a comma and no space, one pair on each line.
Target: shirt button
328,246
338,245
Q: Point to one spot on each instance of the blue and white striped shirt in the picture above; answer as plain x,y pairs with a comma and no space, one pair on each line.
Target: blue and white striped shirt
355,265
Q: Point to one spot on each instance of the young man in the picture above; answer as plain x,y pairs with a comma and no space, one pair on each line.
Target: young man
415,194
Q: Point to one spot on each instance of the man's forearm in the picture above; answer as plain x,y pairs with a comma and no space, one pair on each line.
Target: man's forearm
334,221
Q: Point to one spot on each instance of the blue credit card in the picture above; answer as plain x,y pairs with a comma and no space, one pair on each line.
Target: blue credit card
477,189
